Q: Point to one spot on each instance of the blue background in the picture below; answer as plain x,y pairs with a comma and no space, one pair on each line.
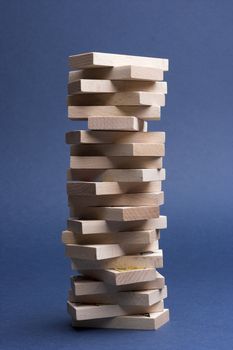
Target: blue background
36,38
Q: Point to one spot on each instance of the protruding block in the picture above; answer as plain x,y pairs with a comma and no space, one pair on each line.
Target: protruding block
101,59
117,123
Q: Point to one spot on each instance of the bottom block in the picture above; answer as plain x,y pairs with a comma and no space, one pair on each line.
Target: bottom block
150,321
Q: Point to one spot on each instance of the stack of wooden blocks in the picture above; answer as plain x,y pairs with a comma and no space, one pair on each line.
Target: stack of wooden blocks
114,192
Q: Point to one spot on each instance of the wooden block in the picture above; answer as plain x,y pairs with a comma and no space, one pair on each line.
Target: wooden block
89,136
121,276
76,188
107,251
119,150
82,285
87,312
117,200
117,123
137,98
86,227
116,175
141,112
138,261
77,162
151,321
137,237
116,213
109,86
129,298
100,59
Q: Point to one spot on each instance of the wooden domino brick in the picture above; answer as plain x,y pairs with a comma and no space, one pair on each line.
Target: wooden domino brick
138,261
100,59
86,227
151,321
117,123
141,112
137,98
119,150
76,188
95,136
116,175
80,86
82,285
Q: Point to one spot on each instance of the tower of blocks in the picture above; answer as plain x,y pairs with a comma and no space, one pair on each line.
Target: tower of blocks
115,193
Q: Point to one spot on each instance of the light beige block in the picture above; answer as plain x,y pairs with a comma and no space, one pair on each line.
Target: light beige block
79,162
101,59
116,213
107,251
138,261
116,175
94,136
152,321
121,276
119,150
117,123
86,227
110,86
86,286
117,200
137,98
76,188
135,237
129,298
141,112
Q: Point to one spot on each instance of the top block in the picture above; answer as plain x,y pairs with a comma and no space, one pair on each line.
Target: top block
98,59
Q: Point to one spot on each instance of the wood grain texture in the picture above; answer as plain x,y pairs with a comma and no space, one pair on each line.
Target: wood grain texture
136,261
117,123
89,136
99,162
101,59
87,312
137,98
107,251
121,277
129,298
76,188
119,150
116,213
110,86
82,285
87,227
141,112
116,175
152,321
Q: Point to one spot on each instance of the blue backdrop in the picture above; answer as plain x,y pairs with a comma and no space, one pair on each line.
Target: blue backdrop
36,38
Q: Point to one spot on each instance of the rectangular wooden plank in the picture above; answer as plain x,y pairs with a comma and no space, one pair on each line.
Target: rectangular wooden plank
116,175
99,162
117,123
137,237
141,112
86,227
110,86
106,251
87,312
137,98
128,199
95,136
101,59
128,298
136,261
116,213
119,150
76,188
121,276
151,321
82,285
